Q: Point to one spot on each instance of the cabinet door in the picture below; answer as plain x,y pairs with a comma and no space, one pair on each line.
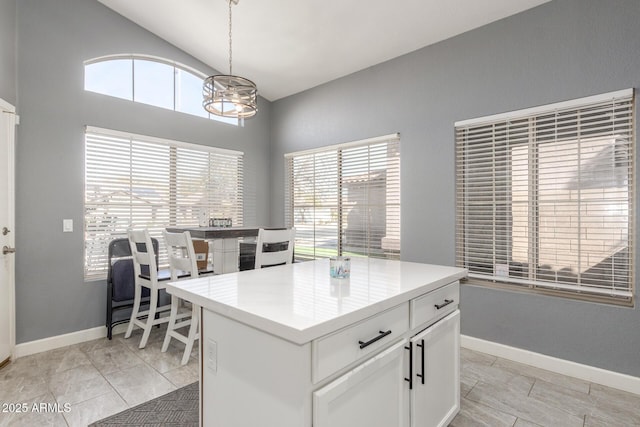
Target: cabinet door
435,398
372,394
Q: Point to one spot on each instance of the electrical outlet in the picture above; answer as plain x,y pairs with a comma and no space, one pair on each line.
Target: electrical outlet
67,225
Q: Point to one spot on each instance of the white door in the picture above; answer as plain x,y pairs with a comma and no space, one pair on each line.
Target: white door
435,398
373,394
7,231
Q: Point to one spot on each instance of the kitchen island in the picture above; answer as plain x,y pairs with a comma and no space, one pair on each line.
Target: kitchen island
290,346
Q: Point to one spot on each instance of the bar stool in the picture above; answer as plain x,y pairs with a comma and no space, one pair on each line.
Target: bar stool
274,247
146,275
183,264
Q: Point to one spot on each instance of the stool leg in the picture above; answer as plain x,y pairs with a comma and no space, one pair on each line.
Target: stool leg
134,311
193,329
175,302
109,310
153,306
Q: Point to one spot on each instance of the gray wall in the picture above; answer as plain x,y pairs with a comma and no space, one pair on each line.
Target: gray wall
54,38
561,50
8,50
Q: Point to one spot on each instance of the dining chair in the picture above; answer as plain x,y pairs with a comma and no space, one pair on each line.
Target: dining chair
274,247
145,267
183,264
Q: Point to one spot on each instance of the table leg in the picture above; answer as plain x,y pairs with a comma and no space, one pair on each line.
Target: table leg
226,255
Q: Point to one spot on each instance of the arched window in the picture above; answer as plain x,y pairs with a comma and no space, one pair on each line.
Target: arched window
149,80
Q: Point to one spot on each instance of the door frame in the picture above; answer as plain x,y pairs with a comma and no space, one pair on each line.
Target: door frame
7,108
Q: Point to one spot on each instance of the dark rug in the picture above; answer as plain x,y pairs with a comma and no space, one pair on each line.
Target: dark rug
178,408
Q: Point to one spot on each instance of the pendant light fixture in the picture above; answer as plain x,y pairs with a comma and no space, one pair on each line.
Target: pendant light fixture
227,95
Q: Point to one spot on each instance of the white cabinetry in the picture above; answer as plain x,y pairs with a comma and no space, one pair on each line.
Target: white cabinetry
435,394
279,349
414,382
372,394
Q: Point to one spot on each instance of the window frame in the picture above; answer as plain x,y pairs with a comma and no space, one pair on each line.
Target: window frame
175,65
96,267
342,180
580,290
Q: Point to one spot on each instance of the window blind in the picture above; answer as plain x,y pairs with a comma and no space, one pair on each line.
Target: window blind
145,182
345,199
545,198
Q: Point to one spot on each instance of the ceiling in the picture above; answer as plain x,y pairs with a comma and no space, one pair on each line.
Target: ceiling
287,46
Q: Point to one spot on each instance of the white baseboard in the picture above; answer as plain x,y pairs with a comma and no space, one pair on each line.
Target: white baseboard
584,372
51,343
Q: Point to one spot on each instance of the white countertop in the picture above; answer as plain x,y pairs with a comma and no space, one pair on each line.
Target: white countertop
299,302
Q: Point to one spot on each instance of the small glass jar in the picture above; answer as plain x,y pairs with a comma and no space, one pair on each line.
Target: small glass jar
340,267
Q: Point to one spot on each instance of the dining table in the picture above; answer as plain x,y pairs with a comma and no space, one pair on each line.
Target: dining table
225,242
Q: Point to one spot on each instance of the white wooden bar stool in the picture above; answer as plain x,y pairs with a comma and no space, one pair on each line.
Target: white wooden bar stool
146,275
274,247
183,264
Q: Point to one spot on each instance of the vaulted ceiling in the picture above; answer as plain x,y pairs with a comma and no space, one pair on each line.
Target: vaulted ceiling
287,46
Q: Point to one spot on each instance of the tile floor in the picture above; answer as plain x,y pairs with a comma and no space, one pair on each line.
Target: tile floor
497,392
100,378
94,379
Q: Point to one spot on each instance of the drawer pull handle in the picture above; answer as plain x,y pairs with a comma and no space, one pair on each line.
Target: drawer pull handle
421,376
444,304
372,340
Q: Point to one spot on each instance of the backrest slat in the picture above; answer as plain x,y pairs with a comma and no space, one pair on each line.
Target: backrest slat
277,240
182,255
143,252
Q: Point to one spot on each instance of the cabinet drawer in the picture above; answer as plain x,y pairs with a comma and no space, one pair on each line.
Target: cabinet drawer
434,305
335,351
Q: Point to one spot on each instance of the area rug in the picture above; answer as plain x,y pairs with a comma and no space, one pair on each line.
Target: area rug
177,408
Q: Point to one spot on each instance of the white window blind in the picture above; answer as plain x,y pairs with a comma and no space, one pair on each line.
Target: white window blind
145,182
345,199
545,198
